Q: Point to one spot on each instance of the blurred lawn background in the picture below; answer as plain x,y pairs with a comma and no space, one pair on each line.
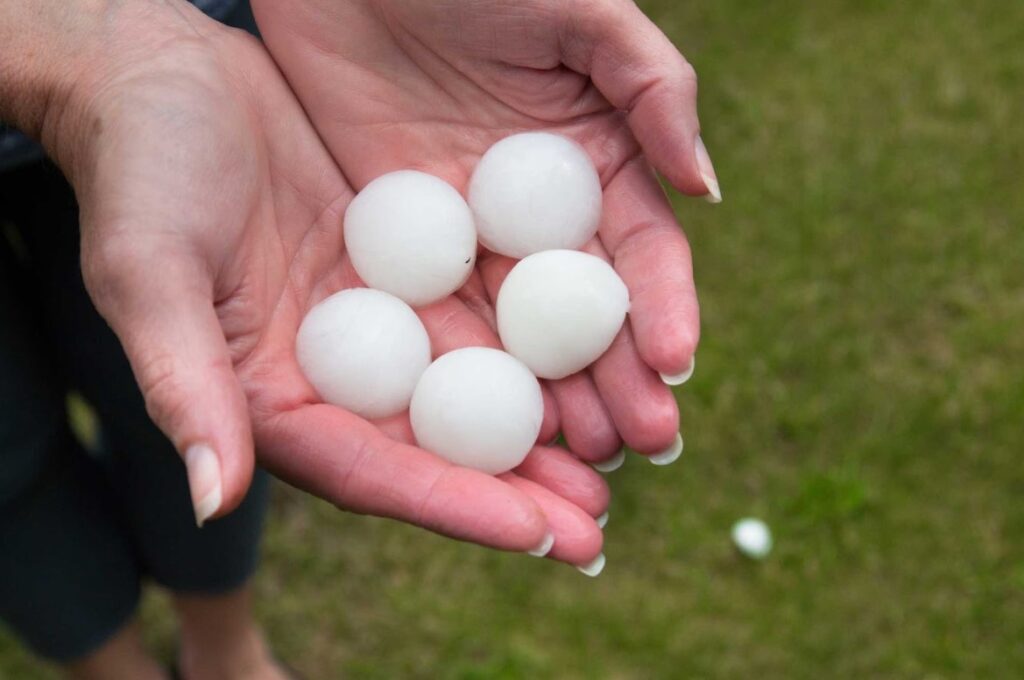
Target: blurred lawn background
860,386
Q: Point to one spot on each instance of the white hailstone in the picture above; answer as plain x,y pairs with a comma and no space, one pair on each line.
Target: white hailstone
412,235
752,538
363,350
560,310
479,408
535,191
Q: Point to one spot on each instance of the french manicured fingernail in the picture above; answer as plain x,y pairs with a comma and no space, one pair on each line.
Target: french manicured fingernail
203,481
680,378
707,171
612,464
594,568
545,546
669,455
602,520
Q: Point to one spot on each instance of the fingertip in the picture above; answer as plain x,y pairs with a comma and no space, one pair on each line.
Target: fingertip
578,539
586,544
669,346
655,427
533,526
205,485
237,477
677,379
525,525
707,171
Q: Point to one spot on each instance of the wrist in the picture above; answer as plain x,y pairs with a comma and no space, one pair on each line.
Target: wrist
57,58
41,46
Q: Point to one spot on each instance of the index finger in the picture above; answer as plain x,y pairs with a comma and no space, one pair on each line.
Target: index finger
651,254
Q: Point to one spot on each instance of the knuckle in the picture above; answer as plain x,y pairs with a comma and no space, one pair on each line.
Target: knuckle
161,380
687,73
104,269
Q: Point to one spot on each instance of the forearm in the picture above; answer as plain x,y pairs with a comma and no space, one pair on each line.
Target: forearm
43,43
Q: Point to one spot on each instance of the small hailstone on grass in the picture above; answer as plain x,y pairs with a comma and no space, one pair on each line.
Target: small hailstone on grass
752,538
363,350
412,235
535,191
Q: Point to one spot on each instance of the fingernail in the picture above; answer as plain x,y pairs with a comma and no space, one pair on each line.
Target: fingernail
669,455
203,481
680,378
602,520
593,568
707,171
612,464
545,546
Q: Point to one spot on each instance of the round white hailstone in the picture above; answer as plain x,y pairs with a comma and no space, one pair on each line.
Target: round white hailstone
535,191
560,310
752,538
363,350
412,235
479,408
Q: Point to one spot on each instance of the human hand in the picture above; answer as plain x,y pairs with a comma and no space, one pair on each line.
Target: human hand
431,85
211,222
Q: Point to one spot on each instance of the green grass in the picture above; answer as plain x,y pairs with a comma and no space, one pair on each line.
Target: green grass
860,386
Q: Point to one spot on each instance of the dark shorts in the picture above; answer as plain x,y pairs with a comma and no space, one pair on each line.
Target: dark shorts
80,530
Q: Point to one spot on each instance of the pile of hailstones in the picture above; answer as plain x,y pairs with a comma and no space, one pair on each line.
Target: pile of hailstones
412,238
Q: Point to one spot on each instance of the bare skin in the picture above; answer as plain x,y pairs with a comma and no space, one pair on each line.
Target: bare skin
221,641
440,82
211,217
121,657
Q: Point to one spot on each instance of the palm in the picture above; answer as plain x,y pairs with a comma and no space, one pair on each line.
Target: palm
222,184
432,86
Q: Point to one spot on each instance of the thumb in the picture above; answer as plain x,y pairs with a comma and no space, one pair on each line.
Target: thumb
638,69
159,302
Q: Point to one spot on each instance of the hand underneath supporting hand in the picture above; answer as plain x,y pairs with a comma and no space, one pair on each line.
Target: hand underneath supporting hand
211,223
431,85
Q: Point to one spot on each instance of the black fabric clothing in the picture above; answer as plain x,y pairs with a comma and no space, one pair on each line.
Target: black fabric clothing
81,530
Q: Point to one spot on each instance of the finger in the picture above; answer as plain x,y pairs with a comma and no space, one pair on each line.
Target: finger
650,253
563,474
578,539
474,295
493,270
451,325
175,344
642,406
346,460
552,417
586,424
638,69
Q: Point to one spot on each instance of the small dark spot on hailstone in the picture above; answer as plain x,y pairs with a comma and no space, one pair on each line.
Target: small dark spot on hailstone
468,259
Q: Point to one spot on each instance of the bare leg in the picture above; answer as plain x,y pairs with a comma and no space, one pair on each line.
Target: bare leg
122,657
220,639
